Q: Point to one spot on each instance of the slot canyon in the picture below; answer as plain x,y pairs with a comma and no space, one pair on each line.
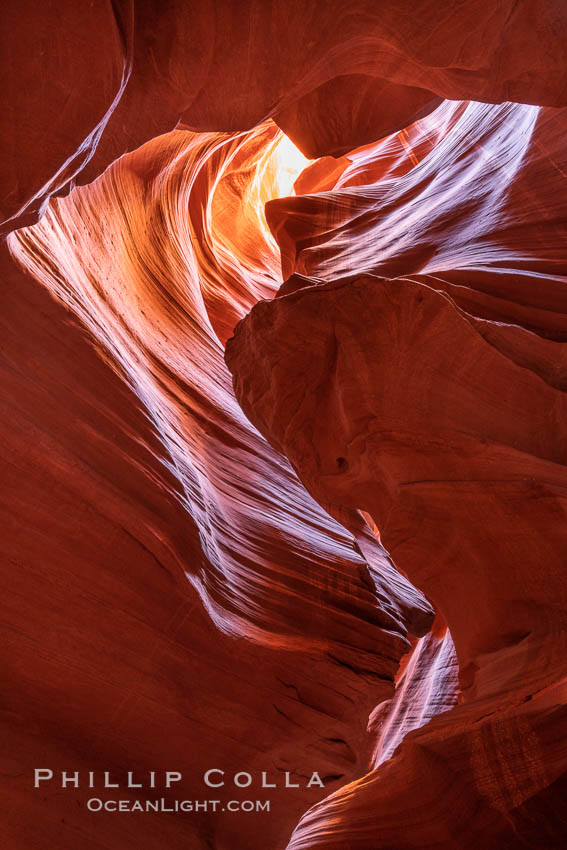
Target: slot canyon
284,423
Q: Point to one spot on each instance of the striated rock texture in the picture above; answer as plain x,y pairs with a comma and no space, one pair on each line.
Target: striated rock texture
84,84
308,622
427,388
194,567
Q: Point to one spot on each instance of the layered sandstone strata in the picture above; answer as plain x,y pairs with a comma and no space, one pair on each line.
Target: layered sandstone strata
184,582
434,400
223,615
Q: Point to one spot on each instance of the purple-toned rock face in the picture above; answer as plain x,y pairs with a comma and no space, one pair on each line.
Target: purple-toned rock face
284,423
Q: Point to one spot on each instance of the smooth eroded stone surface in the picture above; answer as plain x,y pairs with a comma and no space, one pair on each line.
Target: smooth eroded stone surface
436,403
195,567
193,605
363,109
85,85
458,454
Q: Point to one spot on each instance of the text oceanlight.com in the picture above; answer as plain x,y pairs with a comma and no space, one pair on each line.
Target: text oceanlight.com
213,778
95,804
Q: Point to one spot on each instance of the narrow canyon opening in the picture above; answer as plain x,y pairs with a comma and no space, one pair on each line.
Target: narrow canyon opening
284,327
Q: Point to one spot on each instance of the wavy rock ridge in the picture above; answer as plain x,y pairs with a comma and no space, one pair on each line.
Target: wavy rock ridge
220,65
434,400
196,562
157,289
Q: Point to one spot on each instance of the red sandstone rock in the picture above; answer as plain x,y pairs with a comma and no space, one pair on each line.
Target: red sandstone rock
193,493
101,81
446,427
65,66
169,579
363,109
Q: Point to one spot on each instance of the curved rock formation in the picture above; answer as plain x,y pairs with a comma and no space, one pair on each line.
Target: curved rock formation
436,404
156,64
190,588
146,258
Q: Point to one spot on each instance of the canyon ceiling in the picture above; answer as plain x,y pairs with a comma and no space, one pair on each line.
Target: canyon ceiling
284,418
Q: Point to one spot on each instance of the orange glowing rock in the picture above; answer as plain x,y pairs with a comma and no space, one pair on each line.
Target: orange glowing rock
195,573
412,347
157,260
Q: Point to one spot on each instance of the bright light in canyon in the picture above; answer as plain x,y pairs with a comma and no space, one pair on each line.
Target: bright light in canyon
288,162
284,406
